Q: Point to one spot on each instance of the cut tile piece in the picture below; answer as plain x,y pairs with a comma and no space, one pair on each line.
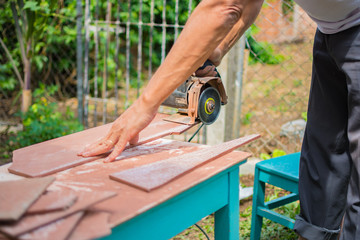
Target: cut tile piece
31,222
61,153
53,201
156,174
17,196
93,225
58,230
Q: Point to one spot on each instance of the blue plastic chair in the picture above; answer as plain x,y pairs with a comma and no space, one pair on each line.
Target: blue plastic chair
282,172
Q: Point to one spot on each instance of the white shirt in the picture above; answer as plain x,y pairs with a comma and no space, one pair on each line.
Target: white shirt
332,16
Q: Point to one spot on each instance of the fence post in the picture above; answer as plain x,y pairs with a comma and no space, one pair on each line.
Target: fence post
242,62
231,69
79,60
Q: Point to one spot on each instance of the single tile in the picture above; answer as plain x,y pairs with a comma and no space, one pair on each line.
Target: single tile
33,161
58,230
156,174
94,225
18,195
31,222
53,201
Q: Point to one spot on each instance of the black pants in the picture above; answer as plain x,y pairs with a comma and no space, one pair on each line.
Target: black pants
330,158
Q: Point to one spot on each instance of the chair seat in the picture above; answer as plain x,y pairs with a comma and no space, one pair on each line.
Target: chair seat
285,166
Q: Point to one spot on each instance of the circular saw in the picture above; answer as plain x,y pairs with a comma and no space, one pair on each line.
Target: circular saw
197,99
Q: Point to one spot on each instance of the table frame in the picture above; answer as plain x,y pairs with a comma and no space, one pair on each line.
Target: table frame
218,194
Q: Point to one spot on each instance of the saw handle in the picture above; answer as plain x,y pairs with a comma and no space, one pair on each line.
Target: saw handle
208,63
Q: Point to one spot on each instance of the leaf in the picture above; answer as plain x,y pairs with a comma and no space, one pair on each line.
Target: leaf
264,156
32,5
278,153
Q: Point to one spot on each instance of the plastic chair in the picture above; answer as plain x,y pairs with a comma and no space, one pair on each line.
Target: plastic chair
282,172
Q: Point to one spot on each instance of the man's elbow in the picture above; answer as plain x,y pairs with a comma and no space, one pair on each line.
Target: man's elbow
232,11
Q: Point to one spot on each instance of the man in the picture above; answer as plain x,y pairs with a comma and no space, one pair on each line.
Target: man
330,166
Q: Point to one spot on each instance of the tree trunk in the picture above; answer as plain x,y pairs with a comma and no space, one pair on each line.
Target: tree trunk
26,92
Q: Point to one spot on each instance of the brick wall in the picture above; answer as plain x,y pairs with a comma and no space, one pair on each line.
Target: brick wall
275,27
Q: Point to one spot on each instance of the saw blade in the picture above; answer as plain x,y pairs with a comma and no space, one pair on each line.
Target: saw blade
209,105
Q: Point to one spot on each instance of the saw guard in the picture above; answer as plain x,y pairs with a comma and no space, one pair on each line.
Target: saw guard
195,90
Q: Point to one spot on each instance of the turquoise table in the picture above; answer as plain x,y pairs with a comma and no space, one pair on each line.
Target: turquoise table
165,212
219,194
216,191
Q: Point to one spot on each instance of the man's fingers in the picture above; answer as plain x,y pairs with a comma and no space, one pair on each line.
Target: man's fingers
208,71
88,147
98,148
119,147
134,140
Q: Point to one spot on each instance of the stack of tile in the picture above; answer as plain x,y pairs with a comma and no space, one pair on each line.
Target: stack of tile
29,211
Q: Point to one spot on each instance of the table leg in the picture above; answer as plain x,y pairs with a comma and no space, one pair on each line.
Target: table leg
227,218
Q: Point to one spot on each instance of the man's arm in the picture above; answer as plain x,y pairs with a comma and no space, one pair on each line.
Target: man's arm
236,32
214,24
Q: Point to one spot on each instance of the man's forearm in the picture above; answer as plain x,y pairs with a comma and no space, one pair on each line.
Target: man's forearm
213,23
240,27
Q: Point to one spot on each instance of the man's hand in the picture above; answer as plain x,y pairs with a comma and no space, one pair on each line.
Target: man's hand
125,129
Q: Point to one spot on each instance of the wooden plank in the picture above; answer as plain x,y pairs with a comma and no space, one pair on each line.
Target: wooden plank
17,196
154,175
58,230
59,154
31,222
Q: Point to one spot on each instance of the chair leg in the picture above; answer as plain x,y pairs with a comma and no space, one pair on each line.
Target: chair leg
258,200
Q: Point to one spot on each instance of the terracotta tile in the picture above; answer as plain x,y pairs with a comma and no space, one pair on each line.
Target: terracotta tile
33,161
53,201
130,201
17,196
58,230
93,225
154,175
30,222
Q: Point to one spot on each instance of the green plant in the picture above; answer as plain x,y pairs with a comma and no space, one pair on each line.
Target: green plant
278,153
304,116
297,82
44,121
265,156
275,153
262,52
7,80
247,118
287,6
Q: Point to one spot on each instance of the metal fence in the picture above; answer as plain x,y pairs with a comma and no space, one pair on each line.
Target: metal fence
275,96
123,43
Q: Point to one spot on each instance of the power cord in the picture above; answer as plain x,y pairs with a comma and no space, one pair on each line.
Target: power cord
196,132
202,231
